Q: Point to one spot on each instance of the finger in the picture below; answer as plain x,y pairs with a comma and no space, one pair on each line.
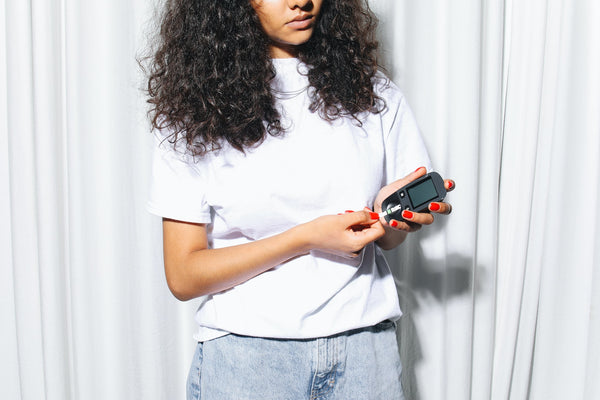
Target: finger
366,229
368,234
449,184
417,173
346,212
440,208
362,217
418,218
406,226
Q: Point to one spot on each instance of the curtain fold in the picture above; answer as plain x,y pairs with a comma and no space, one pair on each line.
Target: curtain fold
530,250
85,311
501,298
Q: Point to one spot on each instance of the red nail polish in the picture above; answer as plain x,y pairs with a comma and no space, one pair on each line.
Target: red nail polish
450,185
434,207
374,215
394,223
349,211
407,214
417,169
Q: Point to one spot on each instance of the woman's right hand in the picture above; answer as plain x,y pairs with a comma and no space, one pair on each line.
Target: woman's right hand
344,234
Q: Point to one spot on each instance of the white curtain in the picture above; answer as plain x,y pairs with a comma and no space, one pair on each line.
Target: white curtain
501,297
85,310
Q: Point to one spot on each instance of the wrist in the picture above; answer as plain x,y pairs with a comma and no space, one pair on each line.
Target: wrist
301,239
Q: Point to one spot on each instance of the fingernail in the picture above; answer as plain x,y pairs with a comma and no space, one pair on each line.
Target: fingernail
348,211
394,223
450,185
374,215
434,207
417,169
407,214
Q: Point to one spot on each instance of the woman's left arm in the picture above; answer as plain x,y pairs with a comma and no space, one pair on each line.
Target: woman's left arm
396,231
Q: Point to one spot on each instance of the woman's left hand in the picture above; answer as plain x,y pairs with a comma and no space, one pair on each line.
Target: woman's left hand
412,221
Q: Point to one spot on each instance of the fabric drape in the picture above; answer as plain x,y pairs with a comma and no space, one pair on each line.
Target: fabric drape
503,294
501,298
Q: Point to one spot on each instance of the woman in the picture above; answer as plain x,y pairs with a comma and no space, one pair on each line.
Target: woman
271,118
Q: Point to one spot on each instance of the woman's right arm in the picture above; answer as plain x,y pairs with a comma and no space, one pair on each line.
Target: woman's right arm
192,269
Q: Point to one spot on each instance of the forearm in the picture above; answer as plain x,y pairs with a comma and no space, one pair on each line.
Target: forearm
194,270
206,271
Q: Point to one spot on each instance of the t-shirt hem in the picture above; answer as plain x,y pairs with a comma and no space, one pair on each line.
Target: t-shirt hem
205,334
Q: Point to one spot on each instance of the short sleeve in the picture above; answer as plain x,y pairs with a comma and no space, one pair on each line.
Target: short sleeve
405,150
177,188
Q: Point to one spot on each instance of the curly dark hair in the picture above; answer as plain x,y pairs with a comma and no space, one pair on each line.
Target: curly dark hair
209,76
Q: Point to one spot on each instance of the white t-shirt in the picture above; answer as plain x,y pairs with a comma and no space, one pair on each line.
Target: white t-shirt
315,168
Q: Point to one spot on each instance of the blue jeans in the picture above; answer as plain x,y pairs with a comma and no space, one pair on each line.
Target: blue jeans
360,364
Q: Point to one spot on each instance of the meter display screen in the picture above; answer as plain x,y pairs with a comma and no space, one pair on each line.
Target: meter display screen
422,193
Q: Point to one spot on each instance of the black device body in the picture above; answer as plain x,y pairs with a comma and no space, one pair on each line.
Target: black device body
415,196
